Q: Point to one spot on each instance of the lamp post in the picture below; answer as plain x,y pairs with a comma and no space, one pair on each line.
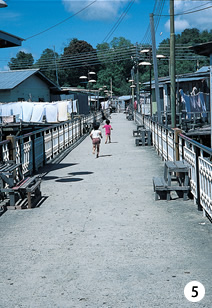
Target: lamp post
3,4
87,80
144,63
149,63
133,92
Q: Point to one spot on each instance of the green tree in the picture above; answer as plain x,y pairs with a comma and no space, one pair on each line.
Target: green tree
22,61
78,59
186,60
48,63
116,64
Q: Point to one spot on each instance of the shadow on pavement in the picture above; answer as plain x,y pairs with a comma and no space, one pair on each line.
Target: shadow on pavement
52,167
80,173
105,155
69,178
64,180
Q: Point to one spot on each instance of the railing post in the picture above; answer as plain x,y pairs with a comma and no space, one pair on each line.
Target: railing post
197,154
167,145
177,131
12,147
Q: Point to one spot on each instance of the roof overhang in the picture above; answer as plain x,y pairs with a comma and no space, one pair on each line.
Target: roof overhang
204,49
9,40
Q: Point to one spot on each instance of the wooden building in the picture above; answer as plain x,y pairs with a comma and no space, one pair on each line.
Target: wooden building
27,85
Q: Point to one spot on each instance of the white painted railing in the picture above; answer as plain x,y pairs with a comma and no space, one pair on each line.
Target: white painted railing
198,156
40,147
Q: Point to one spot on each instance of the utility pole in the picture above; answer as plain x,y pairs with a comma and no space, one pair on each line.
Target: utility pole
56,66
111,89
157,94
172,66
137,76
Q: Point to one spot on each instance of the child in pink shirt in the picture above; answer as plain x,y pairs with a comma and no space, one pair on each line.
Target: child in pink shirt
108,129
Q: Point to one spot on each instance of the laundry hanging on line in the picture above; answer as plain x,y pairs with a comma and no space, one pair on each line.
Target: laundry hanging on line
194,103
34,112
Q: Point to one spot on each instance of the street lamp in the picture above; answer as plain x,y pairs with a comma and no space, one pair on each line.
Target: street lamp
133,91
91,81
87,80
145,63
3,4
149,63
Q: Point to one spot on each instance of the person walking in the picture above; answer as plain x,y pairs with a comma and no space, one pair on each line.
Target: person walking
108,129
96,136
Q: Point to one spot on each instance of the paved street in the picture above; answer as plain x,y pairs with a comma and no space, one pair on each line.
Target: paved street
100,240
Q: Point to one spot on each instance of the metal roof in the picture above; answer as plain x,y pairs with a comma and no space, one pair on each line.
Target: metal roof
124,97
203,49
204,69
11,79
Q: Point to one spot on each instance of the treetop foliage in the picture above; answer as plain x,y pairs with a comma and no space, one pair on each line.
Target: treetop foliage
112,62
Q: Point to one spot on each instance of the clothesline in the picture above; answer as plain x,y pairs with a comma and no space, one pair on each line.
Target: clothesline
35,112
196,103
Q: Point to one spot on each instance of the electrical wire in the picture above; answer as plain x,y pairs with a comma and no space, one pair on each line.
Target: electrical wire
119,21
189,12
59,23
87,56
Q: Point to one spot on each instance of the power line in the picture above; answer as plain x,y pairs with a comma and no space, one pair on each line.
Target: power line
59,23
87,55
189,12
119,21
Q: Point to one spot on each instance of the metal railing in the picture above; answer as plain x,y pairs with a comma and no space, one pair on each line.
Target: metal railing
171,145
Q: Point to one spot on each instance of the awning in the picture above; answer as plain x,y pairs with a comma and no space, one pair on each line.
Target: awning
9,40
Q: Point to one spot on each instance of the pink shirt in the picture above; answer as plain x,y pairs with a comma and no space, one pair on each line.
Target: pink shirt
107,129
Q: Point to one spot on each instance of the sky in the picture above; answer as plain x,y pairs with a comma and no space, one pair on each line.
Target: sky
53,23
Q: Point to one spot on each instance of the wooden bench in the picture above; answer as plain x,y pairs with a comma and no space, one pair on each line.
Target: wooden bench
145,138
162,190
130,116
137,132
24,194
176,173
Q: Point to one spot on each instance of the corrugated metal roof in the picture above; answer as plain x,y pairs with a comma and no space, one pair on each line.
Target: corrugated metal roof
188,79
124,97
204,69
10,79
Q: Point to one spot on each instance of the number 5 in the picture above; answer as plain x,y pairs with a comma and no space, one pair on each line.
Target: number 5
195,291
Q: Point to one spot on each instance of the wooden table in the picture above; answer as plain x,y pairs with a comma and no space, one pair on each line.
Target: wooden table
177,171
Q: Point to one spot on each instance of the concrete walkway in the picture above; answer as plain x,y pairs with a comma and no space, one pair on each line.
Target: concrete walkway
100,240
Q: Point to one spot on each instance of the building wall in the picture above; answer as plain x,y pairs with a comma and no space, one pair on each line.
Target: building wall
82,98
32,89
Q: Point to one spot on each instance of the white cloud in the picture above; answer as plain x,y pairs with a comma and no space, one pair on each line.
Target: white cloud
10,16
180,25
201,20
100,10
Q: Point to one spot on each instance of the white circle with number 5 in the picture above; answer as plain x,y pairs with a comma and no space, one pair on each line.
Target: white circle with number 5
194,291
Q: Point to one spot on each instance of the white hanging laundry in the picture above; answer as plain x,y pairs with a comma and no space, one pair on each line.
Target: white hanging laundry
69,105
8,119
16,108
51,112
27,108
6,110
75,106
17,111
106,105
37,113
62,111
